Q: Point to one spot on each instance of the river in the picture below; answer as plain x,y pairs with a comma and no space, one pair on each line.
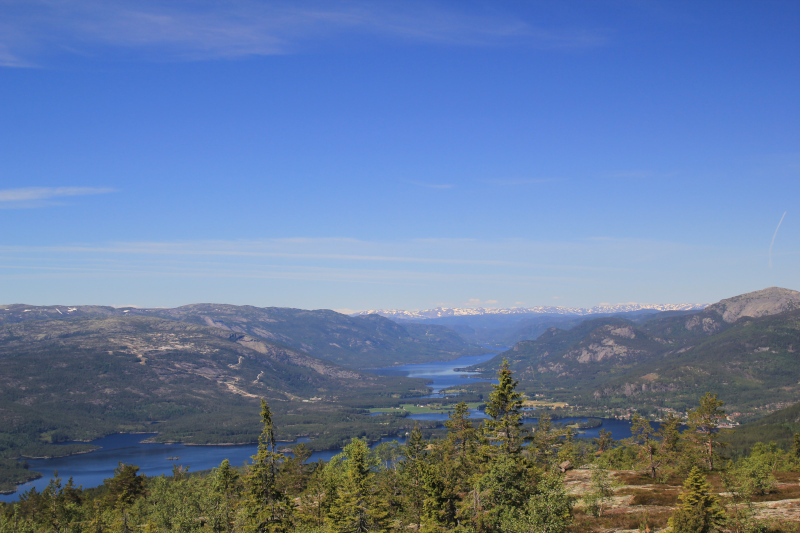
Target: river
154,459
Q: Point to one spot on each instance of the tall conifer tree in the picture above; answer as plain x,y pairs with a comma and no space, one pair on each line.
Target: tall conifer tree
505,409
266,507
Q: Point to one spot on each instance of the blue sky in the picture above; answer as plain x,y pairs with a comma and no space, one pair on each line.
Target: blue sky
362,155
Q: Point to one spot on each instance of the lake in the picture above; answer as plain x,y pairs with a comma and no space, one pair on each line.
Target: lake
443,373
154,459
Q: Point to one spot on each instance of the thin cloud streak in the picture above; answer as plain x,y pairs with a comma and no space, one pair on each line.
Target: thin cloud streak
38,196
521,181
389,277
31,29
440,186
771,244
443,249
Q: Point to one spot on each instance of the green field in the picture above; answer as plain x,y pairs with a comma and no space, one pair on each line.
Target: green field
416,409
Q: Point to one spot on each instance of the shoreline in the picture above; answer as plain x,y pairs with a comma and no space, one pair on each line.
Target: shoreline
64,455
38,475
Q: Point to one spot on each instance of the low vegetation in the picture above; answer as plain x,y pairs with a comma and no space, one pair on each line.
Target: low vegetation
496,476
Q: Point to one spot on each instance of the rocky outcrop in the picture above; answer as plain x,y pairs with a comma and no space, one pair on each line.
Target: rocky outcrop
765,302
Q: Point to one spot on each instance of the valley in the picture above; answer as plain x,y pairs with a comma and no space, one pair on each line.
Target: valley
194,374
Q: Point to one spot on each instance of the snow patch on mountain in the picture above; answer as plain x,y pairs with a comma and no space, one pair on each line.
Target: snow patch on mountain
440,312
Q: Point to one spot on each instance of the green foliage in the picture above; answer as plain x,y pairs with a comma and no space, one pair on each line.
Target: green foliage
663,361
266,507
459,482
601,490
505,409
700,511
354,508
548,509
125,486
704,430
658,451
752,475
146,372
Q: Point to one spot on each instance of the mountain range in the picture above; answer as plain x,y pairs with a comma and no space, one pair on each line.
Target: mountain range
501,328
196,374
744,348
606,309
368,341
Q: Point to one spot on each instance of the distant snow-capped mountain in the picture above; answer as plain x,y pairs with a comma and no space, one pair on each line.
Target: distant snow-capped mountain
441,312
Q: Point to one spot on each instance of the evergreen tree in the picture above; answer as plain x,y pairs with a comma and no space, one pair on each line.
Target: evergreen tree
462,433
548,509
442,476
700,511
292,475
545,442
354,509
412,473
796,445
505,409
603,441
644,438
314,501
504,490
704,429
125,486
226,488
602,489
266,507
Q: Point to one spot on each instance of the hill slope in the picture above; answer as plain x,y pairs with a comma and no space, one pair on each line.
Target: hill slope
744,348
369,341
86,377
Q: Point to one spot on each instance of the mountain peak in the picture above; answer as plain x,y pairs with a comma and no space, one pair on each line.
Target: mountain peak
769,301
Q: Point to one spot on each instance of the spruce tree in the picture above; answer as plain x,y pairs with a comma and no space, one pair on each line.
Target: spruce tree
412,474
354,508
505,409
700,511
266,507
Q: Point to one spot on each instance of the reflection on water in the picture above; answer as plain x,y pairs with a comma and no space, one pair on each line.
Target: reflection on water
442,373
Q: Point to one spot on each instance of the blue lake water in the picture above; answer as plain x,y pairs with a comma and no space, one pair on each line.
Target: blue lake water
154,459
443,374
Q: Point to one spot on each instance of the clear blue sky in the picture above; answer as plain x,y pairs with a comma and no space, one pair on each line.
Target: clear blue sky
357,155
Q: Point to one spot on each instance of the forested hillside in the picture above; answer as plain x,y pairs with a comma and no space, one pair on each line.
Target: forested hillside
745,348
86,377
496,476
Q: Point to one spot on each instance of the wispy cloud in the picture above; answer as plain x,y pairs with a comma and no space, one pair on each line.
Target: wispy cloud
519,181
440,186
325,271
41,196
424,255
33,29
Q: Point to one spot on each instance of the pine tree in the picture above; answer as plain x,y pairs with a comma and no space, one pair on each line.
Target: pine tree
700,511
545,442
796,446
704,429
266,507
412,473
603,441
354,508
461,432
643,437
225,487
505,409
125,486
